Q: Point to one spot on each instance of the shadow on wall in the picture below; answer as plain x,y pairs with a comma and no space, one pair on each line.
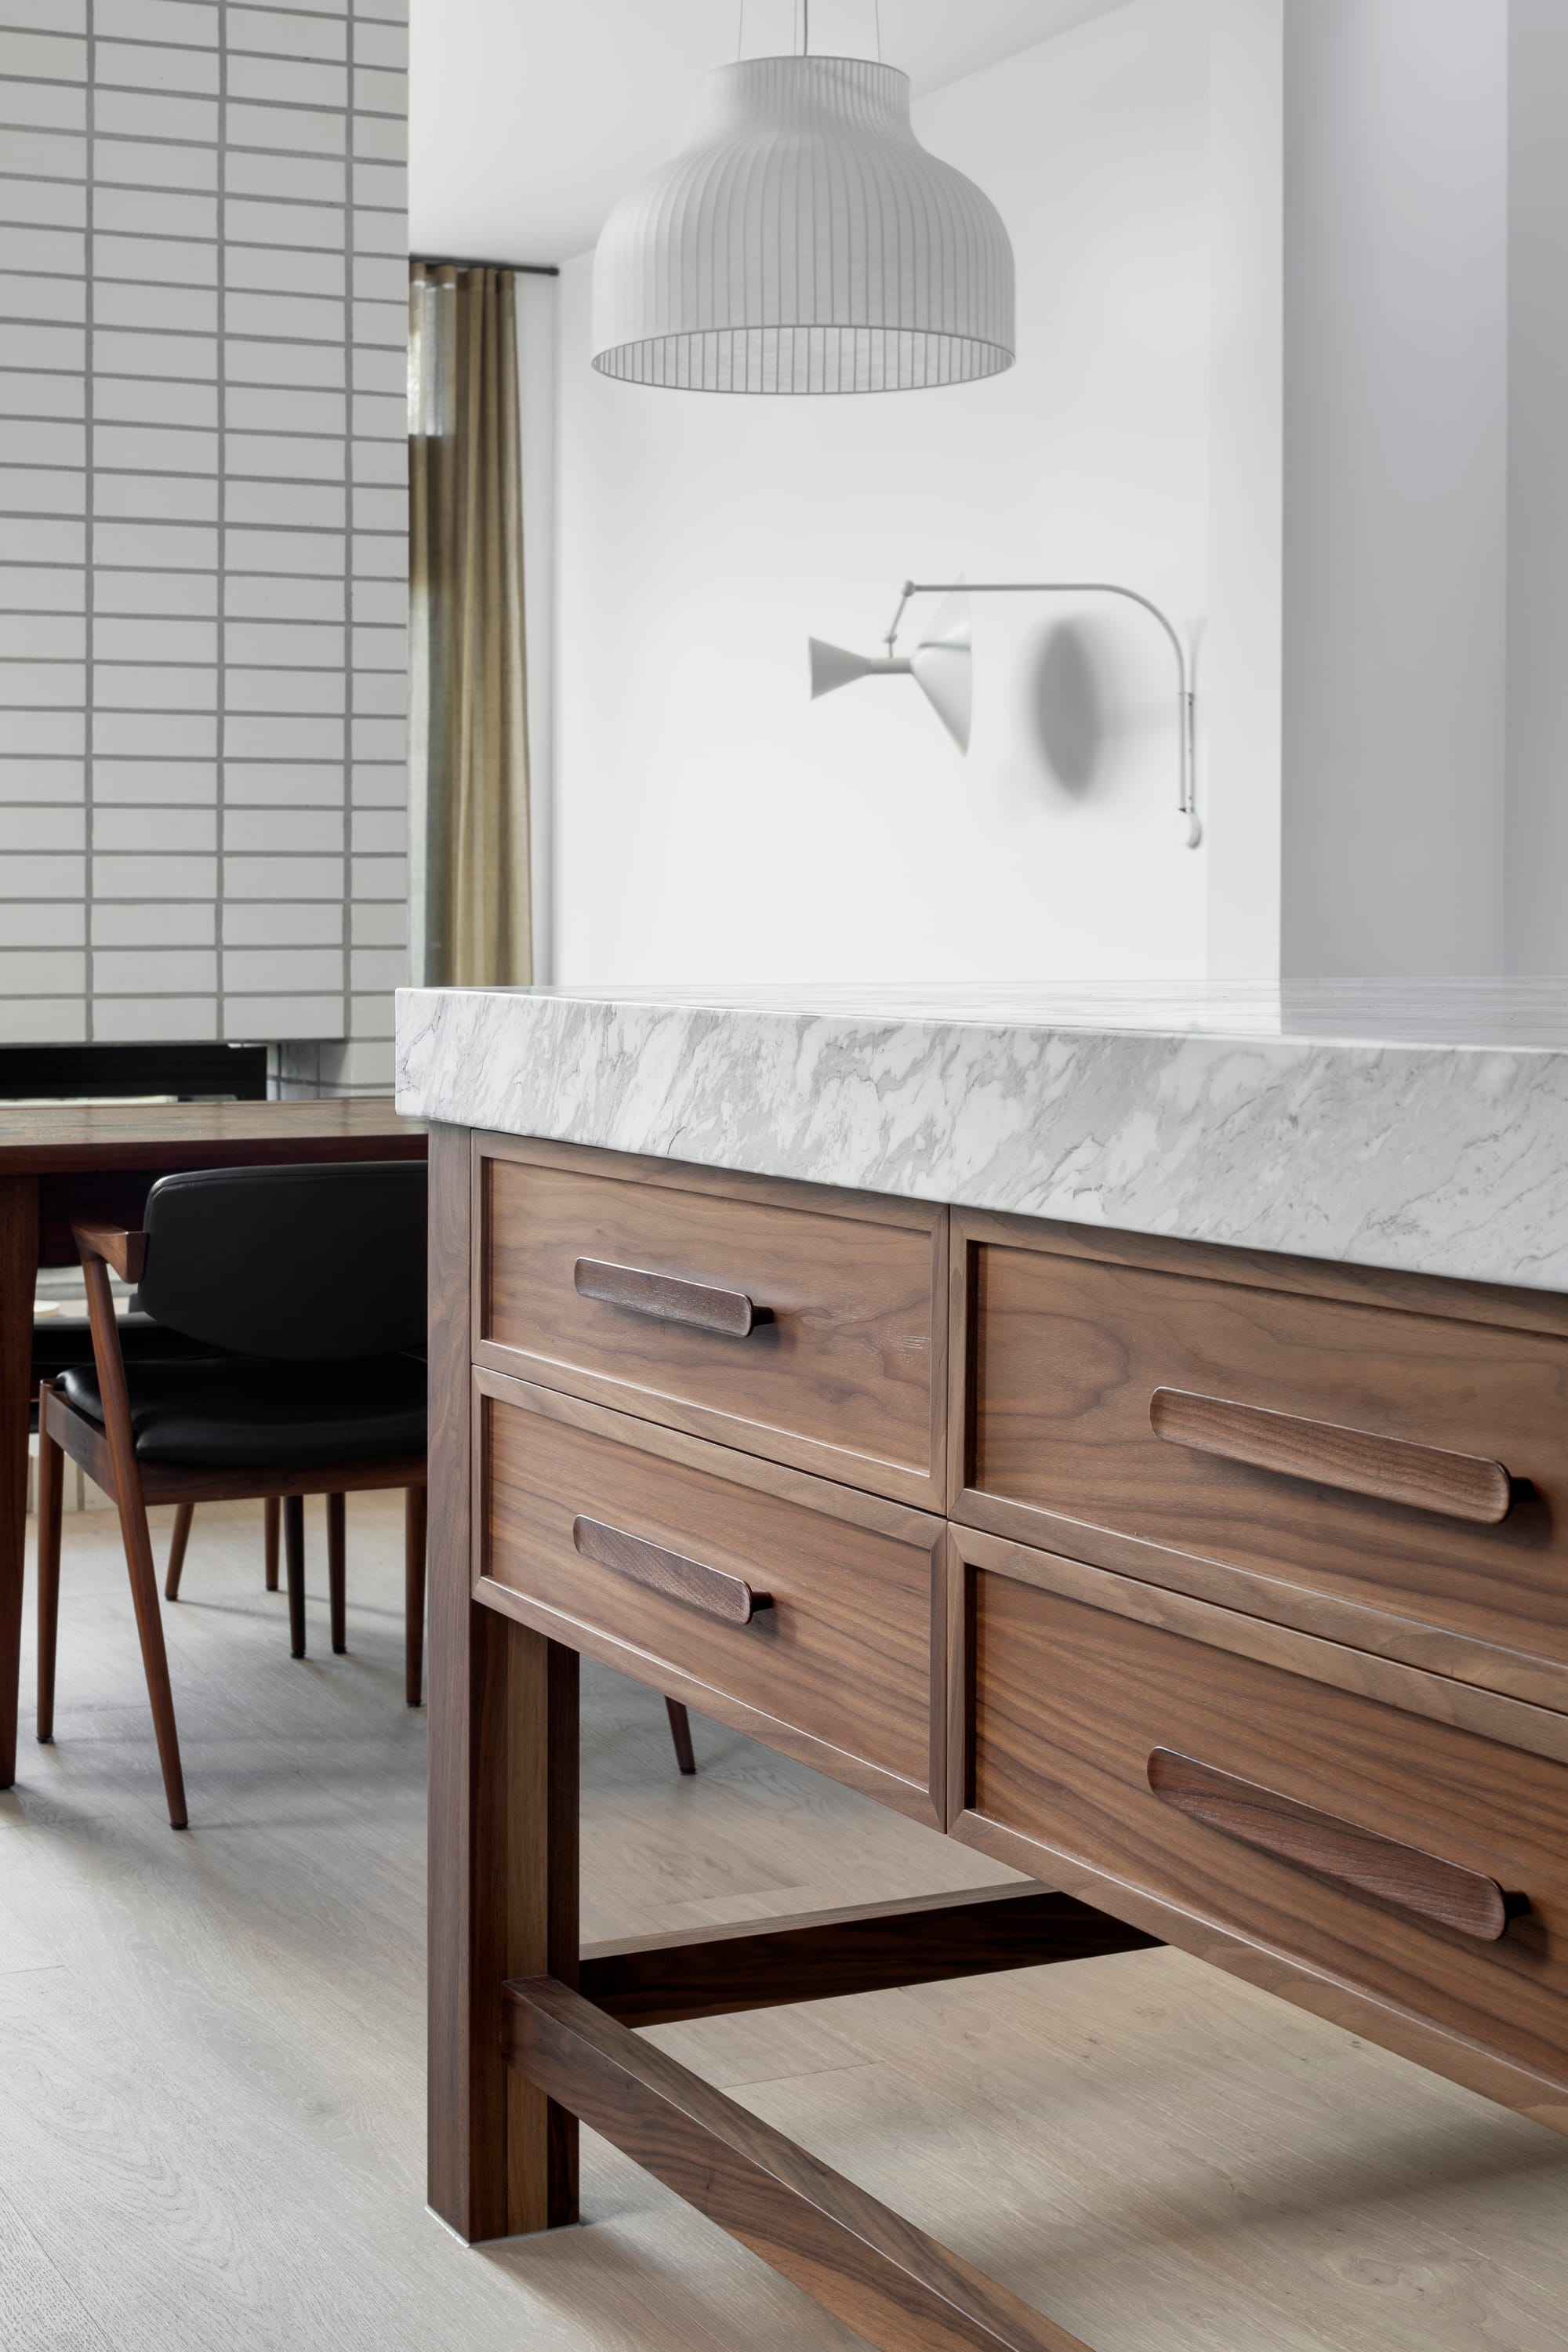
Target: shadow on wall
1067,707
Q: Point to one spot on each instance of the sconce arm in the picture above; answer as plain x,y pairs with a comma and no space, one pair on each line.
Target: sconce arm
1187,803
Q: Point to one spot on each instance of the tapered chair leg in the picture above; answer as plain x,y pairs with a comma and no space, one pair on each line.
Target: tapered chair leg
183,1514
51,1494
680,1732
294,1567
273,1514
337,1572
414,1593
134,1529
137,1539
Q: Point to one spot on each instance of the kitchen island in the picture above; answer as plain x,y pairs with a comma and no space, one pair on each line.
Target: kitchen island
1122,1430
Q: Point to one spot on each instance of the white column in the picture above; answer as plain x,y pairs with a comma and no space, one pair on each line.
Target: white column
1395,426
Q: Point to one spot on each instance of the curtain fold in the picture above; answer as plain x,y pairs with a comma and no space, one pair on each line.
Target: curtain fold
468,685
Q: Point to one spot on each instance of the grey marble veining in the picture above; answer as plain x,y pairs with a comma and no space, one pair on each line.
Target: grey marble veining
1417,1124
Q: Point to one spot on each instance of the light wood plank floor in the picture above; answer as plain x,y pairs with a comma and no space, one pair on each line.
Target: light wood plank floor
211,2092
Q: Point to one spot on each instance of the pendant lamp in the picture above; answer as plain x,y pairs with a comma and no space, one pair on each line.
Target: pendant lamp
806,242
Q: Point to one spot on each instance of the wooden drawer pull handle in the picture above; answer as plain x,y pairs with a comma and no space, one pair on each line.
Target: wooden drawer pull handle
1400,1875
712,1590
1460,1486
669,1299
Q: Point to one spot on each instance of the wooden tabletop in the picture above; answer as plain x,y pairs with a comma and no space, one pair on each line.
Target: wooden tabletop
36,1137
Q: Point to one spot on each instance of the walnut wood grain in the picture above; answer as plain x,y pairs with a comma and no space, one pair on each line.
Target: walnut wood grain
1400,1874
712,1589
125,1486
18,1271
661,1674
844,1652
51,1500
67,1162
337,1574
294,1571
38,1138
899,2288
126,1252
846,1379
503,1807
1062,1687
680,1723
180,1483
179,1542
820,1956
415,1531
1053,1447
668,1299
1384,1288
1391,1469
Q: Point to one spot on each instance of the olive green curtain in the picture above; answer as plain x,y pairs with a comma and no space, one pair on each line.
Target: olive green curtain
467,677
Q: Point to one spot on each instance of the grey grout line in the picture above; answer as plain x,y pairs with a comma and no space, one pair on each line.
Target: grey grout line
221,385
346,932
273,547
89,598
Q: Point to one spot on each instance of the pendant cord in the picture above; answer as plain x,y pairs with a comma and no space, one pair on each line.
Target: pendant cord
805,27
877,7
741,35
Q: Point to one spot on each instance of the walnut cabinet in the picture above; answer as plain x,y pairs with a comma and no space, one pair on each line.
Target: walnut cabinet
1225,1596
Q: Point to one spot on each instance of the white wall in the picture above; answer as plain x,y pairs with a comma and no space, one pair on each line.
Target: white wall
1239,675
1538,490
709,820
1395,426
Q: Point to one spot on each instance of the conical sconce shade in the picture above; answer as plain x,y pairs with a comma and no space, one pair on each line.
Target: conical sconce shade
835,665
943,668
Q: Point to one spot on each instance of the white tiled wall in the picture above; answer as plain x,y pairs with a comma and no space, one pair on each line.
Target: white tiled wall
202,550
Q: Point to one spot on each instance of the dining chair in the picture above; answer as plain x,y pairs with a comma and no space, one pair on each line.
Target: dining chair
307,1286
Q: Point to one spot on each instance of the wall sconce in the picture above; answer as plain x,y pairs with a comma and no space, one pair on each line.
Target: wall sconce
942,662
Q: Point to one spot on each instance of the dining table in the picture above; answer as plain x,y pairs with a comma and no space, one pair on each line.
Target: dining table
61,1162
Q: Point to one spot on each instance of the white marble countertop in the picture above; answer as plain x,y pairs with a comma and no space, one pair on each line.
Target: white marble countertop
1421,1125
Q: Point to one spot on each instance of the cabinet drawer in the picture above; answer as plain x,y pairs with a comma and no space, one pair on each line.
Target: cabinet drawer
1350,1833
770,1599
805,1326
1411,1463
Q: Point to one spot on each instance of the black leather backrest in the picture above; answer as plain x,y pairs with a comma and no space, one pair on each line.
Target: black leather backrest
324,1262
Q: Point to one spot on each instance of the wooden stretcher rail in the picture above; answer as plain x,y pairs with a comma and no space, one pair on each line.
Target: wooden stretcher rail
878,2273
816,1956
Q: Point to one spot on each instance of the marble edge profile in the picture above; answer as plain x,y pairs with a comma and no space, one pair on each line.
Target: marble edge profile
1417,1157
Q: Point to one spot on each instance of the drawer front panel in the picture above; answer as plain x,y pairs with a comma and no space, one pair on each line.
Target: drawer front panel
1282,1801
657,1555
794,1331
1347,1450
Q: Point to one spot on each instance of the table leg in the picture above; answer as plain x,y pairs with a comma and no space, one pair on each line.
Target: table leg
18,1277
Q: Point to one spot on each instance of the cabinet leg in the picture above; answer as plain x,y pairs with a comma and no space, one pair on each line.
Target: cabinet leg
503,1806
503,2156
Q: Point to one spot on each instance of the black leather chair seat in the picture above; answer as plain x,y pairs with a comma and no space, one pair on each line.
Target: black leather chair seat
61,1341
255,1413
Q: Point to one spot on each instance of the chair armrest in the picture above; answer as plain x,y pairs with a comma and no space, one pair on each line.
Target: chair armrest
125,1252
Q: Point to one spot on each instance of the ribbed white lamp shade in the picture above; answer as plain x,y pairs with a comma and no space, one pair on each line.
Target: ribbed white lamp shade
805,243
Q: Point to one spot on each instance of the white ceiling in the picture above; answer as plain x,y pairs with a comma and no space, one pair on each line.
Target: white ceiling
527,118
